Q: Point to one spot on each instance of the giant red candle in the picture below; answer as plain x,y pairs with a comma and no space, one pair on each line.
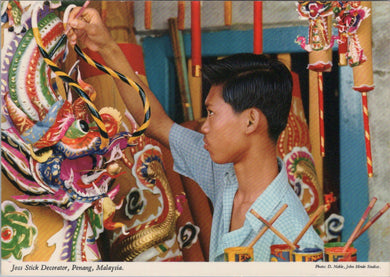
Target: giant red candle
257,27
196,41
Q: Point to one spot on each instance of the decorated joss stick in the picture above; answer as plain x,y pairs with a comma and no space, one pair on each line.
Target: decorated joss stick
257,27
78,15
320,79
181,12
280,235
355,27
367,134
228,13
265,228
319,47
360,224
311,221
372,220
363,78
196,39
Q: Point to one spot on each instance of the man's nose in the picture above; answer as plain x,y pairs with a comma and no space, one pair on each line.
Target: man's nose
205,127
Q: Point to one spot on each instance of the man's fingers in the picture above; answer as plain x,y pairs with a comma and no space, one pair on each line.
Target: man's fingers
73,13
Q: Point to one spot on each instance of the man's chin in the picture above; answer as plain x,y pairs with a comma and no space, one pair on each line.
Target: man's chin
216,160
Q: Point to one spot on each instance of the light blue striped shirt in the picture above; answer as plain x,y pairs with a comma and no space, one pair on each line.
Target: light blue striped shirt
220,184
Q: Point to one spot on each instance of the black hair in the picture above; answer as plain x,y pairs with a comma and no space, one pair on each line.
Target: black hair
251,80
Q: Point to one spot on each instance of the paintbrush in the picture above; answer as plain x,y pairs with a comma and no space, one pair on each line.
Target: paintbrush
360,224
77,15
307,226
372,220
265,228
280,235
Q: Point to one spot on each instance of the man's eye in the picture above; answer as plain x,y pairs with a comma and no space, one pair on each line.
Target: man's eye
210,112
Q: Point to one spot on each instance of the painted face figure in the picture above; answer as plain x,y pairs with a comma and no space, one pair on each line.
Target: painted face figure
223,131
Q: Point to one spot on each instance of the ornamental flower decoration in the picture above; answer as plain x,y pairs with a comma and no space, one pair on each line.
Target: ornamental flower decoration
17,231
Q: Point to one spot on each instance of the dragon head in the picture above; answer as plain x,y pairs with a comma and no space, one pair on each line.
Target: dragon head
51,145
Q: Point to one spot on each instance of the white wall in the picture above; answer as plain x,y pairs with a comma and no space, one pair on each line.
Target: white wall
280,13
379,112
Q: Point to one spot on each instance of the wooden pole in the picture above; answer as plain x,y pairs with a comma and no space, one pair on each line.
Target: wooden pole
181,12
181,68
228,13
148,15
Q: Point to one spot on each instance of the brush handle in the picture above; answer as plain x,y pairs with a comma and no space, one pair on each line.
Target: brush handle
307,226
265,228
372,220
360,224
77,15
280,235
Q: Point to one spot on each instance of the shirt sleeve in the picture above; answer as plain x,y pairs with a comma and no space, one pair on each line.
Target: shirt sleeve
191,159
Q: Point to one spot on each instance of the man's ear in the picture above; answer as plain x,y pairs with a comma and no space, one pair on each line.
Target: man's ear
253,120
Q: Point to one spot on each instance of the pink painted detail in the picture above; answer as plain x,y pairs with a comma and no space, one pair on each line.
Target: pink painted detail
59,197
74,169
113,192
22,182
180,199
73,212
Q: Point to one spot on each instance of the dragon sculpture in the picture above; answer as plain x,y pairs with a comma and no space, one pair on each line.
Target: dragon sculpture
349,16
317,12
53,150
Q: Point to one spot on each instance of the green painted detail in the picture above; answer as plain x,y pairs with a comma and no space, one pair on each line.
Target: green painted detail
78,129
162,248
17,61
17,231
74,239
96,222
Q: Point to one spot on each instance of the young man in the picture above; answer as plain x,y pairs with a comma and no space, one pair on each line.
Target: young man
234,160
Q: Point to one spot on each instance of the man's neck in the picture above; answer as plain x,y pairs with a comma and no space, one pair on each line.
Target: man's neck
253,178
256,172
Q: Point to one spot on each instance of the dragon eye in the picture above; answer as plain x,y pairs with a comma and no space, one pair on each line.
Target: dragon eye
78,129
83,126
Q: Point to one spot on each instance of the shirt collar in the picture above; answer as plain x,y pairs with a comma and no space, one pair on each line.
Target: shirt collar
265,205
